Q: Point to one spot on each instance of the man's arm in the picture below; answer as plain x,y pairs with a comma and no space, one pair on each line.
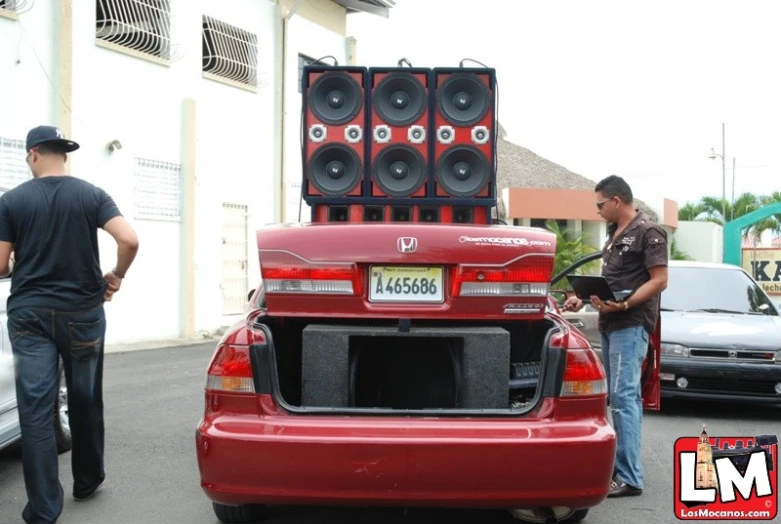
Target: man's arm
655,255
6,265
127,243
7,240
653,287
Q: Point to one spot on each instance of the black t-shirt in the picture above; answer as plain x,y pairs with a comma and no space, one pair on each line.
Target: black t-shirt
625,264
53,223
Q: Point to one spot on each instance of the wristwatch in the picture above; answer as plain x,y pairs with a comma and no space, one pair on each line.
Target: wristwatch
626,305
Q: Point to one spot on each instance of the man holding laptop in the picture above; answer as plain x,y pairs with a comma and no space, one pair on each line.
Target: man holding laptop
634,264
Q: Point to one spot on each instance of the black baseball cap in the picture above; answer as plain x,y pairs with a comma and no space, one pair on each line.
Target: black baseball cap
49,135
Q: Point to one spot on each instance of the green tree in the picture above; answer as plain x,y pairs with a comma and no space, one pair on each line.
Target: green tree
570,248
676,253
691,212
710,209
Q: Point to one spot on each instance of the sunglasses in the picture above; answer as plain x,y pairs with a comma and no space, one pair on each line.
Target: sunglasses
602,203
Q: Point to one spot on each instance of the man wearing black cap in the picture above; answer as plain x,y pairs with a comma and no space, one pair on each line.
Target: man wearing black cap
50,226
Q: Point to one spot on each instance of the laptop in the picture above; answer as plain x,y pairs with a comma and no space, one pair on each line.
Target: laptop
586,286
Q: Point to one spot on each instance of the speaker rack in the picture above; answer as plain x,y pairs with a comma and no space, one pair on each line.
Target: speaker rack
415,138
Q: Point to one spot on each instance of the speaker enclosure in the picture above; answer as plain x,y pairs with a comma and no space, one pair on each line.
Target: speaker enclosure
464,126
399,122
334,134
432,199
412,212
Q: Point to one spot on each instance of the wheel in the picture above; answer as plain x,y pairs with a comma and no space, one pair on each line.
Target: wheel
564,515
62,429
238,514
577,516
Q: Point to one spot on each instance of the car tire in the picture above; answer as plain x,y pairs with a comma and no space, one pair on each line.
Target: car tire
577,516
60,419
237,514
531,517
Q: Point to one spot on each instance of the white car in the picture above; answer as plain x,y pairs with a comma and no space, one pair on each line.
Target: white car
10,431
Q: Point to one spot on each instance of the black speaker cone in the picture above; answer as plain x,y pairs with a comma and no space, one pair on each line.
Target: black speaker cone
399,170
463,171
335,169
463,99
399,99
335,98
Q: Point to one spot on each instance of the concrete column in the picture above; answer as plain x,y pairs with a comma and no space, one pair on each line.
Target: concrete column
280,62
189,144
63,97
352,50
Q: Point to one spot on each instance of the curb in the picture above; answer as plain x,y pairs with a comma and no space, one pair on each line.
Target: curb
158,344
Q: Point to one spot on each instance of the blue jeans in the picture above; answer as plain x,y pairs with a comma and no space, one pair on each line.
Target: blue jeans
623,352
39,337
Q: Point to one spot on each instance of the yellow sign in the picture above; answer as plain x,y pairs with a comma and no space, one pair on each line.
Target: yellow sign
764,265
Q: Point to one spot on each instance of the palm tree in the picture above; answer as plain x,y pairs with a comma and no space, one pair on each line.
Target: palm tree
691,212
710,209
570,248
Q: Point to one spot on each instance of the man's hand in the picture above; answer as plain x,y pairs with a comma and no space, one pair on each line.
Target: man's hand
608,306
114,283
573,303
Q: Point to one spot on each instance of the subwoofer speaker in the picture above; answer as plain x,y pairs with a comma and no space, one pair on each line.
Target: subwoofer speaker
399,170
336,98
334,131
463,99
335,169
399,99
463,171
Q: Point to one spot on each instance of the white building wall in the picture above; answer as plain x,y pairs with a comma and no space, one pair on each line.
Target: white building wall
309,39
27,71
702,241
140,103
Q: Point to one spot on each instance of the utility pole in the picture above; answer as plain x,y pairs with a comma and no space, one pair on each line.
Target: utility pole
732,209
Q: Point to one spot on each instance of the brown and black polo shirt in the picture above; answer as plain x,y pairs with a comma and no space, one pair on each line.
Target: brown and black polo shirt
625,263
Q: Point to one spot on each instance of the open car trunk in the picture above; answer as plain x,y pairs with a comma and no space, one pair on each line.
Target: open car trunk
332,365
408,317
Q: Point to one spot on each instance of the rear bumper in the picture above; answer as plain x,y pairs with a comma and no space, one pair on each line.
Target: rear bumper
721,381
497,463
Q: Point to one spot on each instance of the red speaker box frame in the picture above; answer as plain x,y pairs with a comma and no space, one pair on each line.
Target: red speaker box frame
336,133
462,134
400,134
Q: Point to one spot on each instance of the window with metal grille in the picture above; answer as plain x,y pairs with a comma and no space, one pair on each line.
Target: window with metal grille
142,27
157,190
303,61
229,53
13,163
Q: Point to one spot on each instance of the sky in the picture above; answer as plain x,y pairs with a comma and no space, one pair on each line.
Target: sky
637,89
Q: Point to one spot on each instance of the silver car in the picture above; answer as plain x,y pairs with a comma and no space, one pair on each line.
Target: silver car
10,431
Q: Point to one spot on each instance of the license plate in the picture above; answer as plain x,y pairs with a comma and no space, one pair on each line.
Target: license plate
411,284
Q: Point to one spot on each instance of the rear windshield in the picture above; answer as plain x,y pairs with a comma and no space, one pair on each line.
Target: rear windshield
691,288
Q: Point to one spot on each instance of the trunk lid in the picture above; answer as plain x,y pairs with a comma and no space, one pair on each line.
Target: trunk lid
393,270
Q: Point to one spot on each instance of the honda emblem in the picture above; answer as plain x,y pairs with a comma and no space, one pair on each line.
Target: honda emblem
407,244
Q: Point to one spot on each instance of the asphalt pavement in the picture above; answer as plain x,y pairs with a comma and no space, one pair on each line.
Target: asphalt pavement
154,399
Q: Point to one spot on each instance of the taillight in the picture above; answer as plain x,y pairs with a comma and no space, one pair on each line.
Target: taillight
284,272
526,276
584,374
230,370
